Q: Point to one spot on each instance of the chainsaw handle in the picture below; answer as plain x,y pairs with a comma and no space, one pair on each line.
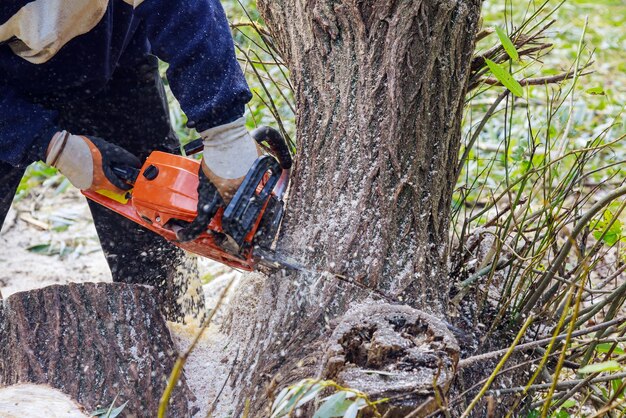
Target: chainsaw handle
127,174
244,209
277,144
194,146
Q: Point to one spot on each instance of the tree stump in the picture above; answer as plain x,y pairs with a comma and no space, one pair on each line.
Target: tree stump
27,400
94,342
394,352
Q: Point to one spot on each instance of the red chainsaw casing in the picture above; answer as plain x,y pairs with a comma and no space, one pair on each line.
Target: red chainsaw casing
171,195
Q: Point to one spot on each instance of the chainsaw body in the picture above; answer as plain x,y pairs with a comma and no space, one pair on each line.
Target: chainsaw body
164,199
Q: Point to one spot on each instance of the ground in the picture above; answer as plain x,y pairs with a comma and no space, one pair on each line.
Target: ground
50,238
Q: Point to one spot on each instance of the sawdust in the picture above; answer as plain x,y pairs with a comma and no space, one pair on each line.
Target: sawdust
208,367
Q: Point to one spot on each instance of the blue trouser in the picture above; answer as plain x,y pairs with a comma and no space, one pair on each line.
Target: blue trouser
131,112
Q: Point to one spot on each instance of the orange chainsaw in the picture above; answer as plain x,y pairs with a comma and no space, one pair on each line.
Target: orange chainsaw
164,199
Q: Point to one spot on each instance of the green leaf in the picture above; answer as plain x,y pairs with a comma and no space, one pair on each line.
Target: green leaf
567,404
114,413
606,347
507,44
505,78
62,187
290,399
605,366
310,394
613,234
109,412
598,91
278,406
334,406
562,413
40,248
533,413
353,409
616,384
294,396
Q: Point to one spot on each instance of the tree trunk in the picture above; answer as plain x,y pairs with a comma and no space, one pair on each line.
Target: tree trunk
380,88
95,342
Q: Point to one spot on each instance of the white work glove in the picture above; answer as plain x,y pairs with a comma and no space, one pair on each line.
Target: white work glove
229,152
88,163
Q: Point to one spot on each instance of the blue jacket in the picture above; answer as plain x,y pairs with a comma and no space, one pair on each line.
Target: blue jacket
74,50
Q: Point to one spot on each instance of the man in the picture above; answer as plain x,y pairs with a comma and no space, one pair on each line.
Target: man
80,90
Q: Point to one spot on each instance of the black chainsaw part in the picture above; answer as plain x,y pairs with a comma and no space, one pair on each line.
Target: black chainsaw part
242,213
268,228
126,173
151,172
209,201
277,144
193,147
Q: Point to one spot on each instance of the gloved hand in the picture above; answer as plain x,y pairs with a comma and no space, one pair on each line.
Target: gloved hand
88,162
229,152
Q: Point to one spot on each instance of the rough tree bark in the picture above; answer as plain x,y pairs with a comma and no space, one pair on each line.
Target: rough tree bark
94,342
380,89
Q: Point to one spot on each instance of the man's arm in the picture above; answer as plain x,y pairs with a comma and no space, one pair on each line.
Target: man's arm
25,128
194,38
28,132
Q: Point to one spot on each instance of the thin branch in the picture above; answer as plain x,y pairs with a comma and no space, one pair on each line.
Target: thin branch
172,381
536,81
527,346
562,397
508,352
561,385
484,33
478,130
260,62
539,292
217,397
256,26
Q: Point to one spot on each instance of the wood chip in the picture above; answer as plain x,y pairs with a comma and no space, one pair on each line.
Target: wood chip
35,222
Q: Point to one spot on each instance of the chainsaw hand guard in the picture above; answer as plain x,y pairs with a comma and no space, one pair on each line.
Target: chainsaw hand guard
242,214
278,145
